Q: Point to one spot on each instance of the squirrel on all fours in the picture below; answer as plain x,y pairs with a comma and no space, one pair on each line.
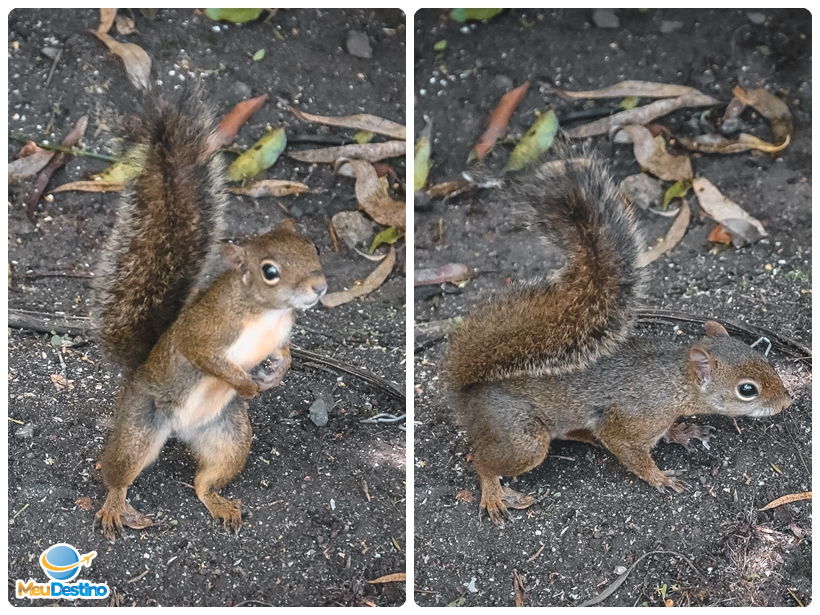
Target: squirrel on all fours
557,359
188,346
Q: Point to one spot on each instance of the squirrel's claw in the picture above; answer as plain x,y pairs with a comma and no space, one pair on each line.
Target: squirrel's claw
682,433
112,521
669,482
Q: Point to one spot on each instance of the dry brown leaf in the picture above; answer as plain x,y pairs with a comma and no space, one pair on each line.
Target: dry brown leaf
465,495
372,152
641,115
787,499
84,503
716,144
32,159
499,120
125,25
671,239
90,186
232,121
136,61
740,225
391,578
366,286
270,187
772,108
651,154
641,89
451,272
448,188
719,235
519,589
361,121
107,17
372,195
61,383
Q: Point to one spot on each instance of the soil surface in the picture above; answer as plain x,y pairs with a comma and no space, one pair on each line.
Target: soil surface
593,520
325,506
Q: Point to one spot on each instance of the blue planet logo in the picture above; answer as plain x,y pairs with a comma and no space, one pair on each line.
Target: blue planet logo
62,562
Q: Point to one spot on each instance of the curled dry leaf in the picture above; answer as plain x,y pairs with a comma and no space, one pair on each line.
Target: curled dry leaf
671,239
72,138
742,227
107,17
640,89
136,61
451,272
787,499
233,120
372,195
372,152
449,188
716,144
772,108
366,286
360,121
61,383
31,159
719,235
90,186
270,187
125,25
498,121
390,578
651,154
641,115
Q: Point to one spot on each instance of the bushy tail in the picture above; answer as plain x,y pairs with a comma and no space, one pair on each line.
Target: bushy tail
583,311
167,228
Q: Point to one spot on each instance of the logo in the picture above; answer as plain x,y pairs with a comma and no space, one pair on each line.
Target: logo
62,564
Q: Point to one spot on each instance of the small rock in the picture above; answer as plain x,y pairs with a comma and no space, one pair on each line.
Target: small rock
619,570
642,190
319,409
50,52
502,82
26,431
359,45
756,18
352,227
671,26
605,18
732,126
242,90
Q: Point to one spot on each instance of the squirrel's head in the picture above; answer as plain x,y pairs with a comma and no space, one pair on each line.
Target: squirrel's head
734,379
280,269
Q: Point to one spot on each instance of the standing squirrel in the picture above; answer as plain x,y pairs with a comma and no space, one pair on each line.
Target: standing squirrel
556,358
187,346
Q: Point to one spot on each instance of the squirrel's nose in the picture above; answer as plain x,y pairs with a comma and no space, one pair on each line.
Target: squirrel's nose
319,287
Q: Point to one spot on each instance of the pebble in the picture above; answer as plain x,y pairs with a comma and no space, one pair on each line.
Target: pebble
605,18
359,45
756,18
671,26
642,190
26,431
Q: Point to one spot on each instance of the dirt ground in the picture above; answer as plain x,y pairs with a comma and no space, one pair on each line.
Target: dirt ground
325,505
593,520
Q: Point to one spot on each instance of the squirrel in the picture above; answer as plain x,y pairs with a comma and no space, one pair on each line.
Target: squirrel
187,347
557,358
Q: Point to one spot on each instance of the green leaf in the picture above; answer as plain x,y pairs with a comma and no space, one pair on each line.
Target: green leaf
233,15
128,167
462,15
440,46
675,191
630,102
539,139
262,155
421,162
389,235
259,55
363,136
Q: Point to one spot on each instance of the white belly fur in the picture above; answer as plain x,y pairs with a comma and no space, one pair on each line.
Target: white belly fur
261,336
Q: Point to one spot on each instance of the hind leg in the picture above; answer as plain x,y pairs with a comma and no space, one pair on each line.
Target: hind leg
221,448
506,444
138,435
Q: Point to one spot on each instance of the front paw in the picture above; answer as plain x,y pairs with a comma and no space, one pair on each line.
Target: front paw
682,433
267,380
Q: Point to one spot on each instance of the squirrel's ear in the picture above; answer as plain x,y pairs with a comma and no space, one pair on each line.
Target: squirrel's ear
287,225
235,257
715,329
700,361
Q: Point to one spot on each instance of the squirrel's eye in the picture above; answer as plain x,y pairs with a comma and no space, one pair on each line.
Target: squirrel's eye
270,272
747,391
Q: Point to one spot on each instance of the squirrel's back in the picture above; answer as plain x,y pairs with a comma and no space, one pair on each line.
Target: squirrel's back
168,227
582,312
